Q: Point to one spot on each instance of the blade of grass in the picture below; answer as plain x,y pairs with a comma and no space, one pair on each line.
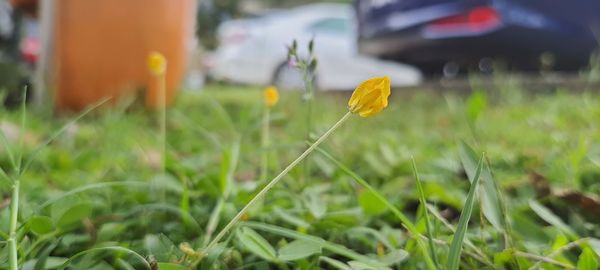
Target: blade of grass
9,153
4,175
156,207
489,200
425,211
332,247
481,256
116,249
573,244
61,131
404,219
22,131
463,222
213,221
14,200
93,187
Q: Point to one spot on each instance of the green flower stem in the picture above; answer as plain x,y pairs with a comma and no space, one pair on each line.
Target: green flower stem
265,144
309,89
273,182
14,213
163,120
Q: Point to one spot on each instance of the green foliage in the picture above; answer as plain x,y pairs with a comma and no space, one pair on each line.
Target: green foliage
588,260
299,249
256,244
463,222
92,197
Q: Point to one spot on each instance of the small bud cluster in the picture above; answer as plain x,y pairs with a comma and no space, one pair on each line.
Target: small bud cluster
305,65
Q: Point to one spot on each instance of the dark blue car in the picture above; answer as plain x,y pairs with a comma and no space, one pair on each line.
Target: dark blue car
438,35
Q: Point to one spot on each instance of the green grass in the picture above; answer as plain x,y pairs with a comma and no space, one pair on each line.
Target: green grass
96,198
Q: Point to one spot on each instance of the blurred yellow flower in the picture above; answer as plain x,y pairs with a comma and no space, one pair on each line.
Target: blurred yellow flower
157,63
370,97
271,96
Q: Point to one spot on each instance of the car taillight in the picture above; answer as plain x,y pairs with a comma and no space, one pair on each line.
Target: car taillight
235,38
30,49
477,19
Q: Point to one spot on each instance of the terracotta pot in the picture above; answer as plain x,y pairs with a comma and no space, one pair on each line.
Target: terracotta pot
99,48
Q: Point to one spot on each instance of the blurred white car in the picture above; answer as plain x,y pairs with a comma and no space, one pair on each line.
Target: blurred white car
254,51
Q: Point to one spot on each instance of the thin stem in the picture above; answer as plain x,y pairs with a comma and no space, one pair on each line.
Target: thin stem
559,251
213,221
308,85
468,242
425,211
542,259
273,182
14,212
14,202
163,120
265,144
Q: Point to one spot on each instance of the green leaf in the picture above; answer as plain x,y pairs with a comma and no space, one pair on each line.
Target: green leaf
476,103
256,244
43,258
394,257
228,167
423,203
171,266
224,183
335,263
74,213
329,246
463,221
161,247
50,263
122,265
287,217
370,203
115,249
551,218
355,265
503,257
299,249
595,245
490,202
587,260
314,202
40,225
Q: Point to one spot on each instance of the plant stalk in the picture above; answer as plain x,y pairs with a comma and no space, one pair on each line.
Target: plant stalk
163,120
308,85
14,213
273,182
264,166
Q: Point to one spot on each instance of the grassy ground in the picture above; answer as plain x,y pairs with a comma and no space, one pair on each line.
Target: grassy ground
98,187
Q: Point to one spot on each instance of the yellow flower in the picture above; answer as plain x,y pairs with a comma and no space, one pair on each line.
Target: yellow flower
157,63
271,96
370,97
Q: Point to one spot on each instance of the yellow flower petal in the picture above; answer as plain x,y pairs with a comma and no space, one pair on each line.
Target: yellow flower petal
370,97
157,63
271,96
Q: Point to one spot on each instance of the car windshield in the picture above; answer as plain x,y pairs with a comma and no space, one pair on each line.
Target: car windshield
331,25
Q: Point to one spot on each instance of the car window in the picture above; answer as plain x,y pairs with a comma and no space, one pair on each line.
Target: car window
331,25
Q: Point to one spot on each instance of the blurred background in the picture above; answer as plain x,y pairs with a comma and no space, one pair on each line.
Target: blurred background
245,42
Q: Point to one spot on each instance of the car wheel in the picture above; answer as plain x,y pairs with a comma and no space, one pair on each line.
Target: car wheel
288,78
